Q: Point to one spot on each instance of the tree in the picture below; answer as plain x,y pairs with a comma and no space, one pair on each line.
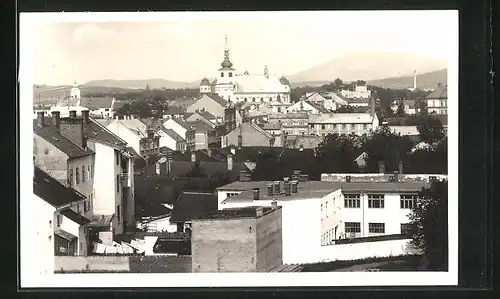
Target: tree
336,153
196,171
401,108
430,129
429,225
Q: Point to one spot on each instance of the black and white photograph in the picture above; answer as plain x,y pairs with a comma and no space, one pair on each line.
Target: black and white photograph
298,148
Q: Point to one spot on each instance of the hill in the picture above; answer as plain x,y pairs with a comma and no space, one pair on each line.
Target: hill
368,66
142,83
43,94
425,80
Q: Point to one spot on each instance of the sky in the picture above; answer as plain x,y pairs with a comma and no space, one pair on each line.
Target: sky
189,46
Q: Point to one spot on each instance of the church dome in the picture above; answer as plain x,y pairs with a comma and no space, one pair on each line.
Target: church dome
205,82
284,81
227,63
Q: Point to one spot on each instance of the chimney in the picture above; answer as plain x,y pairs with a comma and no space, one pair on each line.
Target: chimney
274,204
295,185
256,194
72,128
240,141
381,167
56,119
259,212
230,162
400,168
151,134
270,189
277,187
40,117
288,189
193,157
72,114
85,116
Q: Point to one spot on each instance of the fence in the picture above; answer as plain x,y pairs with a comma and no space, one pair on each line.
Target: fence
132,264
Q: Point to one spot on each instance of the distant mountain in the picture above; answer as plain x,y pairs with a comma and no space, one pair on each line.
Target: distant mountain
368,66
142,83
425,80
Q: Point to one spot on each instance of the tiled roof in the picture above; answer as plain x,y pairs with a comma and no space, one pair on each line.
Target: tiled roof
136,126
201,126
50,134
218,99
75,217
101,134
95,103
439,93
52,191
64,234
318,107
173,134
192,205
206,114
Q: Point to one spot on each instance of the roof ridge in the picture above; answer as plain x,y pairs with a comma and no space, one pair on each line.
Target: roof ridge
108,130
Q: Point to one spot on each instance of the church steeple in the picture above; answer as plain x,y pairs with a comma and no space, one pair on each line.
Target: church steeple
226,63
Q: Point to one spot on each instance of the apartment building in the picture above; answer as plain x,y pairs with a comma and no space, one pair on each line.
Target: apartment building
342,123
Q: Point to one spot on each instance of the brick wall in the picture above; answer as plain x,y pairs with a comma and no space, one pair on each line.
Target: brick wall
227,245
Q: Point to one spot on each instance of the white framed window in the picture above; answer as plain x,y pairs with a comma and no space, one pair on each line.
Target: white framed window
375,201
376,228
407,201
352,201
352,227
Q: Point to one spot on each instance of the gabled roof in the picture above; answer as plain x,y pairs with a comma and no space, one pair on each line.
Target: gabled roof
318,107
206,114
94,103
439,93
136,126
99,133
191,204
180,122
75,217
217,99
50,134
173,134
53,192
200,126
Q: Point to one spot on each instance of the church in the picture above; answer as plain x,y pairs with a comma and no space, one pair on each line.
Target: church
256,88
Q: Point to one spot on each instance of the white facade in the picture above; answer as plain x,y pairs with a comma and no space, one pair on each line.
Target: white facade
158,225
173,125
41,261
75,229
167,141
133,140
360,92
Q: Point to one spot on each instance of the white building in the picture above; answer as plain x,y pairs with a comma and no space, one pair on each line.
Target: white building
246,87
304,105
360,92
437,100
57,224
319,213
179,126
145,141
342,123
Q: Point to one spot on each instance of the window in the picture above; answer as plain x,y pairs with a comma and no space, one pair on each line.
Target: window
71,177
407,201
261,100
352,201
118,212
230,74
77,175
50,223
353,126
117,157
326,209
78,208
107,109
91,171
88,172
376,201
352,227
222,74
322,126
232,194
365,126
405,228
83,174
376,228
253,99
58,220
321,211
117,183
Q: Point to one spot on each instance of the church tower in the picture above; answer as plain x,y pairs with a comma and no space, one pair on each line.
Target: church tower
225,86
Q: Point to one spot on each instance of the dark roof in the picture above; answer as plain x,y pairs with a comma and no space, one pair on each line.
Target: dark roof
284,81
101,134
200,126
50,134
182,123
53,192
192,205
75,217
94,103
316,189
206,114
236,213
64,234
101,220
439,93
320,108
173,134
205,81
218,99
